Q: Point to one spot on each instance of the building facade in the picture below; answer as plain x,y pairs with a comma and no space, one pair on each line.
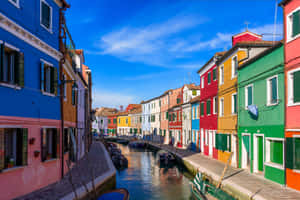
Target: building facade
227,92
30,111
146,109
292,81
124,123
155,116
136,120
196,144
112,124
164,122
261,131
175,125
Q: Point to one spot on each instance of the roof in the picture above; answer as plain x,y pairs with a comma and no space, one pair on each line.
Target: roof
217,55
247,31
245,44
265,52
192,86
284,2
177,105
195,99
105,111
122,113
136,110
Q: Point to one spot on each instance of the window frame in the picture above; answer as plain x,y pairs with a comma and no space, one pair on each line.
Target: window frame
232,104
208,78
51,16
221,75
208,100
202,82
221,108
269,90
215,102
246,95
233,75
289,26
16,4
290,81
216,74
267,159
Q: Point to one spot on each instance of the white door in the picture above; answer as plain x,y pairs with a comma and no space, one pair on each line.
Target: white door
202,141
210,142
233,149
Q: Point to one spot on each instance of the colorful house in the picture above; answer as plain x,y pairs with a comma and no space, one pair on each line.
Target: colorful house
292,96
175,125
146,108
209,106
124,123
244,48
112,124
136,118
102,118
195,123
164,122
30,121
261,103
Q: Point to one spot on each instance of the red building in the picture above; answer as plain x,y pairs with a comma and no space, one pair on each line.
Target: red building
208,106
175,125
112,124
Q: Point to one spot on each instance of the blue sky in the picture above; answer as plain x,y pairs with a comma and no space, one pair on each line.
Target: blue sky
137,49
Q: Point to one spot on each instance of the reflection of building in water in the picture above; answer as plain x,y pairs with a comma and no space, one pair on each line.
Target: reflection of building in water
146,167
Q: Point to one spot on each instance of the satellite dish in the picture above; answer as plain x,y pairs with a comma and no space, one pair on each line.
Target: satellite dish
253,110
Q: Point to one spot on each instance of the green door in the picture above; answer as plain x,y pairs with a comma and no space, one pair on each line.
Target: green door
260,153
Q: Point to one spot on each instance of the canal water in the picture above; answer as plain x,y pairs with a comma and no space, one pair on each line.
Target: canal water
145,180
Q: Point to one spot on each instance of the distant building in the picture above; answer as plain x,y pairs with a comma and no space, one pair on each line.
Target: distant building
195,140
164,115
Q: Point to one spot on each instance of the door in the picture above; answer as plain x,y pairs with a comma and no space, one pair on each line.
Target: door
210,143
246,152
202,141
259,154
234,150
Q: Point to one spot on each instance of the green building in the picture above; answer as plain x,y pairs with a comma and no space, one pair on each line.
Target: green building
261,101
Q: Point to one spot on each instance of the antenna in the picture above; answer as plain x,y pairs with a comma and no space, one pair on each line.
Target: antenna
247,24
275,21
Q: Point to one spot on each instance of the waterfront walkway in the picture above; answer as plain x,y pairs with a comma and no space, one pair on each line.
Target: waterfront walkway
96,164
238,182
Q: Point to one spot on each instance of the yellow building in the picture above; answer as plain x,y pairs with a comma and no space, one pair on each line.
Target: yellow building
242,50
124,123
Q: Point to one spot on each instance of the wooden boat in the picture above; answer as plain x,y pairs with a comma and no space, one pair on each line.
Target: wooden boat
118,194
165,158
202,189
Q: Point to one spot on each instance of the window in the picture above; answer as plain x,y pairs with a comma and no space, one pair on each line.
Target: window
272,90
13,145
234,66
293,153
293,87
50,143
202,82
275,151
221,75
234,103
65,87
46,15
222,141
15,3
197,112
126,121
48,78
115,121
209,78
248,96
167,115
119,121
206,137
11,65
215,74
293,25
74,94
221,111
109,121
208,107
202,109
215,106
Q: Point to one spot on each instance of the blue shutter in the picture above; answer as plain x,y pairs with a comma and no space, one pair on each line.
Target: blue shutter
42,76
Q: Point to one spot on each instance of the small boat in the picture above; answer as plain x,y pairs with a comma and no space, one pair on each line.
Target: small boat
202,189
118,194
136,144
165,158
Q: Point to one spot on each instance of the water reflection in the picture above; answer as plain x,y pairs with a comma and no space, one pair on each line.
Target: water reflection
145,180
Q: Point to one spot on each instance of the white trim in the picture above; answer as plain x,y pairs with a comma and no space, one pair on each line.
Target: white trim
207,67
11,126
11,47
15,29
296,130
232,67
246,95
51,16
244,151
16,87
221,113
46,62
278,166
267,162
296,171
269,91
17,4
290,82
221,78
255,151
232,104
48,94
215,99
289,26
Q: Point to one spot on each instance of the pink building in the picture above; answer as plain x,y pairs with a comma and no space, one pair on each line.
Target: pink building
164,122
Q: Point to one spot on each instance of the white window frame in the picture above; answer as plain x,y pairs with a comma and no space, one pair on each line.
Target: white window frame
209,108
215,99
232,104
267,162
221,75
221,107
51,16
269,95
209,80
289,26
232,67
206,137
17,3
202,82
213,73
246,95
290,80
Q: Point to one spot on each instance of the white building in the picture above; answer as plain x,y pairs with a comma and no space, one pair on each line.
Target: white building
155,116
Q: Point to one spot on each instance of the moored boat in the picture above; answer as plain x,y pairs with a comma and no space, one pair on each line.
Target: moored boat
118,194
165,158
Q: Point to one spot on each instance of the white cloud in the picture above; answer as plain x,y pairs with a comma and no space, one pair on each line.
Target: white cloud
111,99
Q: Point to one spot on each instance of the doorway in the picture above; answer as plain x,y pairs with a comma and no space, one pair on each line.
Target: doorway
210,143
246,151
202,141
258,165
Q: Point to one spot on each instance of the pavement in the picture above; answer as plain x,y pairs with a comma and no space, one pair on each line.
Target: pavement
96,163
241,183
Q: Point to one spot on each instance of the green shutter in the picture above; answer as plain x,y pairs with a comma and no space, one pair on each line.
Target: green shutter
55,79
296,23
1,61
276,152
274,90
25,146
19,69
2,148
250,95
289,160
209,78
202,109
246,142
296,87
297,153
42,76
208,107
52,72
214,73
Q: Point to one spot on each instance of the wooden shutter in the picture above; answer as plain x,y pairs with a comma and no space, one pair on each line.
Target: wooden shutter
42,76
52,81
209,78
214,73
2,148
55,79
19,69
296,87
296,154
235,103
274,90
289,148
250,95
25,146
208,107
1,61
296,23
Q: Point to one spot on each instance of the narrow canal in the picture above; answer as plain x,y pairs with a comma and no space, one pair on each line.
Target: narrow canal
145,180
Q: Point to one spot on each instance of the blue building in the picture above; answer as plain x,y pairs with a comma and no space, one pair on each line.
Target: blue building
29,87
195,123
146,122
